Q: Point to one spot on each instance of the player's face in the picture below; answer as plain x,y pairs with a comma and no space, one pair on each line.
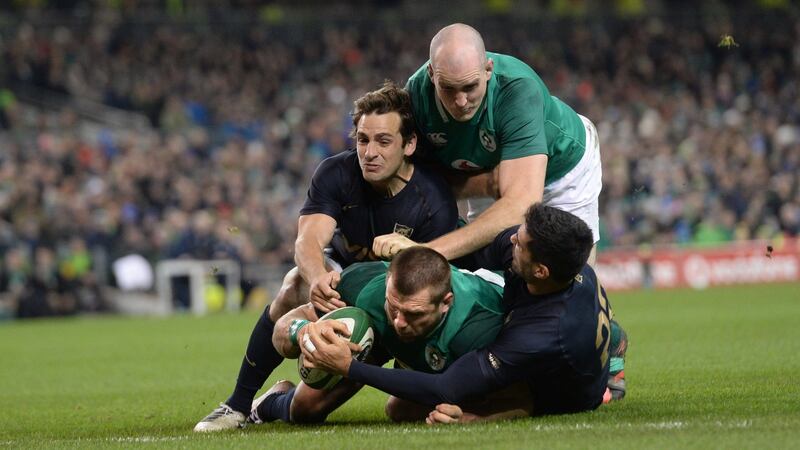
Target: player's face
412,316
379,144
461,88
522,262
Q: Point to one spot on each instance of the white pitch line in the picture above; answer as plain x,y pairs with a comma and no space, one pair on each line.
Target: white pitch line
666,425
382,429
146,439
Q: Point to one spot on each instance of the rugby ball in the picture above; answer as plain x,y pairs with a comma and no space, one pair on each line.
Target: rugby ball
361,332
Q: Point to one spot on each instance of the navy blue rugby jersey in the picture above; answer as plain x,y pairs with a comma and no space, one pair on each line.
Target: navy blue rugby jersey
422,211
557,343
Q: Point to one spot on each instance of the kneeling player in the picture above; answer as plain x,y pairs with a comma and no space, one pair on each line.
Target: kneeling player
425,314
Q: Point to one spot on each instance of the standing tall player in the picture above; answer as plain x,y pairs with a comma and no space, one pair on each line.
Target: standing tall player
354,196
555,337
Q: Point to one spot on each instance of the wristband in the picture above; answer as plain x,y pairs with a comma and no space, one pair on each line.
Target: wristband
294,328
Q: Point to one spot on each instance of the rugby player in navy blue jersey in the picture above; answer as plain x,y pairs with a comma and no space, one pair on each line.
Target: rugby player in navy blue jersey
354,196
555,338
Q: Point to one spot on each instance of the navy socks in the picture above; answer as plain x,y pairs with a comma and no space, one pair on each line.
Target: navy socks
258,363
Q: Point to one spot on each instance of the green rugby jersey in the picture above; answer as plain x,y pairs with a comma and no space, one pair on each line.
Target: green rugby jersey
518,117
472,322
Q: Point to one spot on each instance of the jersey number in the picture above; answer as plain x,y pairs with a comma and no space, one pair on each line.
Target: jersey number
603,326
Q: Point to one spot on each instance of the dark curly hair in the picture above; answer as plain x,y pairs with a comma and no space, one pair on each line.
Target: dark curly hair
389,98
559,240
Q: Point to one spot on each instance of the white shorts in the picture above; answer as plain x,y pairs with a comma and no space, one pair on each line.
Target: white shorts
577,192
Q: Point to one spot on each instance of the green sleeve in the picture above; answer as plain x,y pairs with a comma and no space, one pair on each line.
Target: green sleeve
356,277
520,119
478,331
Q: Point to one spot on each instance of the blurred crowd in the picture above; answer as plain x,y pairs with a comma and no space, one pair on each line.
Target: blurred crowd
699,135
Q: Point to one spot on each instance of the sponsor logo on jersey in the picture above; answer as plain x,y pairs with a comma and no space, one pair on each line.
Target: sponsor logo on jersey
579,278
487,140
438,139
405,230
434,358
463,164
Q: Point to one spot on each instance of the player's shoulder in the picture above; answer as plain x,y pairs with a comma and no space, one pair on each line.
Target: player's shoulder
477,280
346,160
515,86
367,270
372,279
418,79
420,89
586,280
510,67
430,180
340,170
477,296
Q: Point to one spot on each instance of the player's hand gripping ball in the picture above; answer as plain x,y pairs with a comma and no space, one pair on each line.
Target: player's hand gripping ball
361,333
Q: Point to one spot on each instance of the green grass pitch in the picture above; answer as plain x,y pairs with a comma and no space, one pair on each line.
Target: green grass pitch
706,369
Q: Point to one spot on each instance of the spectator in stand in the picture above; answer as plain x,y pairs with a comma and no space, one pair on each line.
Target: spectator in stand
687,128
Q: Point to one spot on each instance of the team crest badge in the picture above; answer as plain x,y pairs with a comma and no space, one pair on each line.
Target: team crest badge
405,230
487,140
434,358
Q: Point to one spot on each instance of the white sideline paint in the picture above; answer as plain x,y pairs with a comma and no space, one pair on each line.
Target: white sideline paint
375,430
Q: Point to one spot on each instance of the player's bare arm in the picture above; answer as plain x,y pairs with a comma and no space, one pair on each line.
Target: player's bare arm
520,182
314,233
447,413
511,402
473,184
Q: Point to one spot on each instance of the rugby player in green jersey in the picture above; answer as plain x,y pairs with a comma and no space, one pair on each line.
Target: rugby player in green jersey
491,118
425,314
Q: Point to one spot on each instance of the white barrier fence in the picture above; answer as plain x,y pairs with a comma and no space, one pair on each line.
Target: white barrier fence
198,272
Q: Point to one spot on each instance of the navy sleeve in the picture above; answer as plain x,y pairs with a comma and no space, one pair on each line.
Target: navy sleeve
467,377
323,196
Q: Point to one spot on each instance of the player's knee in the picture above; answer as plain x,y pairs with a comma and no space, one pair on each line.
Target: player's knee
290,296
307,411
